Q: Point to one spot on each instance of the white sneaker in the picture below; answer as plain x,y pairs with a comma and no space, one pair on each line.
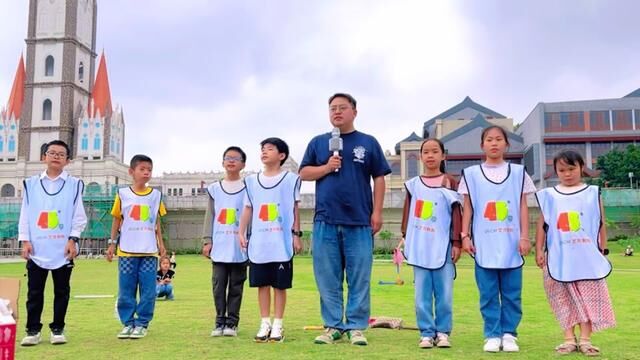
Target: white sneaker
509,343
263,332
426,342
277,334
492,344
31,339
57,338
218,331
230,331
442,340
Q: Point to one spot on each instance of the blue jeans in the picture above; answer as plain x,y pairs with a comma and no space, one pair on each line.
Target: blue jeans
136,273
434,288
340,249
164,290
500,300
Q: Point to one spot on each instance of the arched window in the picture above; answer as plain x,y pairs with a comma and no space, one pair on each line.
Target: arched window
48,66
12,144
46,110
8,191
84,144
97,143
81,72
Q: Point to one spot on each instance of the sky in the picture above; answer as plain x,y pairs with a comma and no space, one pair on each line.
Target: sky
197,76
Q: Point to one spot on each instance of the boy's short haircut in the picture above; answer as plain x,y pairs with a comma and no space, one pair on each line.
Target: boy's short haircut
282,147
569,157
236,149
136,159
349,98
58,143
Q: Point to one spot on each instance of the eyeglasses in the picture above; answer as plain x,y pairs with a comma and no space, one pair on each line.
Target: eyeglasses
56,155
232,158
341,108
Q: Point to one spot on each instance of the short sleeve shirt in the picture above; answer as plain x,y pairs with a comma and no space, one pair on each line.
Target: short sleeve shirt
344,197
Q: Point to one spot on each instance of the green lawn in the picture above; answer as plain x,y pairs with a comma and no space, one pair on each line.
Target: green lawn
180,329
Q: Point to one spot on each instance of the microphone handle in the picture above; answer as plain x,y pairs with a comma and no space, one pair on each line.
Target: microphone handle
336,153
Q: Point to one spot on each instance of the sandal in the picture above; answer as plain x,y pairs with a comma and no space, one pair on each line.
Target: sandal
567,348
587,349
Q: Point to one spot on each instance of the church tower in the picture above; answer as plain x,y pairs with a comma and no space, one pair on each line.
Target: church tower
60,70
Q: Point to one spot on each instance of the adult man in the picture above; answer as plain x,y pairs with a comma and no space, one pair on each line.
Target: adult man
346,218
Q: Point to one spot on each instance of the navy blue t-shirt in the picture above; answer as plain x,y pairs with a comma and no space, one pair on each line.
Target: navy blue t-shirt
344,197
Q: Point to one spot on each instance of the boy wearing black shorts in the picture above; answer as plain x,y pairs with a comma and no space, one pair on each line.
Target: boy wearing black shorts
271,207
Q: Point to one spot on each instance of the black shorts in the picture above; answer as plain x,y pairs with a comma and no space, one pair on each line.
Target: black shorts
278,275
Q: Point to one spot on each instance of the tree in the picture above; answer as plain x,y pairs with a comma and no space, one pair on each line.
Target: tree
616,165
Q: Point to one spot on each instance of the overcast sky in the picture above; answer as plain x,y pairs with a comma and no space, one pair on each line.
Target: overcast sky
197,76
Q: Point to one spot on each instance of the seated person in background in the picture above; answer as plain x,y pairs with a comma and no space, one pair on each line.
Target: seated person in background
628,251
164,287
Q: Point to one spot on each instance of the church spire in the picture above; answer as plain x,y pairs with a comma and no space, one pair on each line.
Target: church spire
16,99
101,96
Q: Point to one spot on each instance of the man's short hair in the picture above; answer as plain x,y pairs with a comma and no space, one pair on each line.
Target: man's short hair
282,147
58,143
137,159
349,98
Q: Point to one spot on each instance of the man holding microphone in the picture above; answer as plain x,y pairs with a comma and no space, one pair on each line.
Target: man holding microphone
347,216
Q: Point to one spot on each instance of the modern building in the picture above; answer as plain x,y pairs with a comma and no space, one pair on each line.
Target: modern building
590,127
459,128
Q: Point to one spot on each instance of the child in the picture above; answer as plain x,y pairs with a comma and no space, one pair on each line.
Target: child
271,206
221,244
571,244
164,279
495,217
431,221
52,218
136,213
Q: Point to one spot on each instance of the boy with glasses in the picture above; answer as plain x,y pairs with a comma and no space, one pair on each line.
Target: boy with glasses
52,218
221,244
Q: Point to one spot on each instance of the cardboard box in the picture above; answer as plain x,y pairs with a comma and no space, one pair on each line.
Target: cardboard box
9,289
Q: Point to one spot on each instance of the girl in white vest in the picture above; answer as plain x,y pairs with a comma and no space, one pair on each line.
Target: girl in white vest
271,208
221,243
430,230
571,244
495,227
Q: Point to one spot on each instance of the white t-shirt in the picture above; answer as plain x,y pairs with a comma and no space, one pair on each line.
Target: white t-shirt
232,186
497,173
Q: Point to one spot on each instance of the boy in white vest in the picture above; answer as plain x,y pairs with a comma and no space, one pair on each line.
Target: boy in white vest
271,207
52,218
136,216
221,245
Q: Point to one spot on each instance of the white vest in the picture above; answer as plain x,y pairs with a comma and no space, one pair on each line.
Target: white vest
272,219
496,217
224,237
572,225
50,218
139,213
428,234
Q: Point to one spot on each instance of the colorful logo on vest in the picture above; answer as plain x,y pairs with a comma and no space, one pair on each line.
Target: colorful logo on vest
569,221
497,211
269,212
424,210
228,216
48,220
140,212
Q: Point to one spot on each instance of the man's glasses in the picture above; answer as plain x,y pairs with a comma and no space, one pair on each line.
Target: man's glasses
56,155
341,108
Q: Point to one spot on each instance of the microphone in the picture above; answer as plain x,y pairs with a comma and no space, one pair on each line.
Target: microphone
335,143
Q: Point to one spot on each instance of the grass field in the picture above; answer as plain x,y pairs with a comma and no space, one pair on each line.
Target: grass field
180,329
